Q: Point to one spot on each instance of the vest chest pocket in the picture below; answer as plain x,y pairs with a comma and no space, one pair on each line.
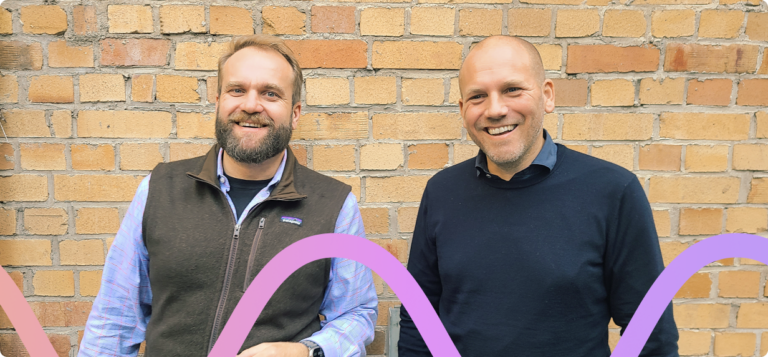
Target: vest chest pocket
254,247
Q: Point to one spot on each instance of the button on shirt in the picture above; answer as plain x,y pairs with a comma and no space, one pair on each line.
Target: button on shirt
121,311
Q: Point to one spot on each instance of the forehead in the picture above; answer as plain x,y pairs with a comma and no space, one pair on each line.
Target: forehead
498,61
256,64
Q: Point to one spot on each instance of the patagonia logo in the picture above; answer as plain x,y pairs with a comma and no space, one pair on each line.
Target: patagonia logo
291,220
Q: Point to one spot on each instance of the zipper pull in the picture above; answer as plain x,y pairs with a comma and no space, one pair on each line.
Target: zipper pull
261,223
237,232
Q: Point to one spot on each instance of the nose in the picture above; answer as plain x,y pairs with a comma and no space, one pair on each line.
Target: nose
252,103
496,107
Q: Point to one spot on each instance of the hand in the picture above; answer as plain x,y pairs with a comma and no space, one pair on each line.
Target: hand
276,349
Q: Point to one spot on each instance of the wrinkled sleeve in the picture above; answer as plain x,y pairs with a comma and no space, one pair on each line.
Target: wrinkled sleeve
119,316
350,302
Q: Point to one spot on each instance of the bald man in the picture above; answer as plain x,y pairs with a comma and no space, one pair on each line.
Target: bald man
530,248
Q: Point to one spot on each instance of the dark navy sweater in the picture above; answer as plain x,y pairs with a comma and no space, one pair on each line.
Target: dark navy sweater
536,267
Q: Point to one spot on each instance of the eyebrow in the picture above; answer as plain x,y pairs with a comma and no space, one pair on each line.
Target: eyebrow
507,84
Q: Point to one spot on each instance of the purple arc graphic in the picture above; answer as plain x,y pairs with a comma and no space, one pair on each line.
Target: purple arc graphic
406,288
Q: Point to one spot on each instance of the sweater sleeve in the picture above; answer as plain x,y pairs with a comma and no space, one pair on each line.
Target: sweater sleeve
632,263
423,265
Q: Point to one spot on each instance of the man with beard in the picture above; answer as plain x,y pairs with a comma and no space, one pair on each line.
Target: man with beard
198,231
530,248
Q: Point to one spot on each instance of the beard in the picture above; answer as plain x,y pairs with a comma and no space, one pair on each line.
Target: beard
509,155
245,149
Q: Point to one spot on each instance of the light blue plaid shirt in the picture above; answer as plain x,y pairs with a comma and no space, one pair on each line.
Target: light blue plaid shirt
122,309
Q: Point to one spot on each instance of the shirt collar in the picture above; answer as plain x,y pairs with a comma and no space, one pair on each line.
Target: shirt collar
547,157
224,183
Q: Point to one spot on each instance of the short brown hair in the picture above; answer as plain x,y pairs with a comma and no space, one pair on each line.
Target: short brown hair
266,42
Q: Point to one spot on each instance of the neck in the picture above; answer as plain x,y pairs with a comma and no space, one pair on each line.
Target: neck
507,170
255,172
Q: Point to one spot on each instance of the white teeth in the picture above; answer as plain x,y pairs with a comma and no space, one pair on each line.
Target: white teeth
249,125
503,129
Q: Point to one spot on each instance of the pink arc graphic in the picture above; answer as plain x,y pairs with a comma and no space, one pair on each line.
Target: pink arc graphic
407,290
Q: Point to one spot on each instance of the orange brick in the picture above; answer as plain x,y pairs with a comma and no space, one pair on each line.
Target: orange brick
660,157
141,88
663,222
300,152
704,126
758,192
731,2
6,22
417,126
92,157
23,188
764,344
181,151
96,188
62,123
6,156
44,19
702,315
708,189
123,124
698,286
195,125
231,20
703,221
198,56
97,220
51,89
382,22
327,91
427,156
609,58
397,247
671,2
330,53
29,56
757,26
577,23
462,152
551,56
480,22
395,188
607,126
673,23
9,88
763,68
212,86
13,346
46,221
177,89
570,92
624,23
381,156
622,155
753,92
60,54
353,181
376,90
710,92
752,315
406,218
82,252
378,346
85,20
327,126
25,123
40,156
139,156
746,220
90,282
432,21
333,19
750,157
383,316
25,252
694,342
720,23
182,18
739,284
762,125
135,52
7,222
710,58
62,314
735,344
422,91
376,220
130,19
454,94
18,279
102,88
333,158
706,158
54,283
283,20
417,55
529,22
614,92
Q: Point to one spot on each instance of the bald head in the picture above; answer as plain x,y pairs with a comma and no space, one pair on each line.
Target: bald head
517,45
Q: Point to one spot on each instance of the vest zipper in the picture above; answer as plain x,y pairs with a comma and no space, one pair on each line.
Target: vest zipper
225,290
256,239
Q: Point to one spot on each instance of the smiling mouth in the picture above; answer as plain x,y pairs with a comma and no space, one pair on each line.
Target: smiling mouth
501,130
250,125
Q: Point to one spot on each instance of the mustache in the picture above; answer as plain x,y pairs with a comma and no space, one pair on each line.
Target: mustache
242,117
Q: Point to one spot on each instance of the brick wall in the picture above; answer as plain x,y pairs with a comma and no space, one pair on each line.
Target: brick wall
94,93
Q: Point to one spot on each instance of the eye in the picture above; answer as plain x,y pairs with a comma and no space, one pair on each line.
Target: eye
237,91
476,96
512,89
271,94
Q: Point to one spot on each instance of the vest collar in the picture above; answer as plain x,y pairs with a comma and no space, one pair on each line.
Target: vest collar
284,191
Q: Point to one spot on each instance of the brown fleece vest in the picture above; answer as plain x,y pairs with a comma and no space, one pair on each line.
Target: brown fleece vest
199,267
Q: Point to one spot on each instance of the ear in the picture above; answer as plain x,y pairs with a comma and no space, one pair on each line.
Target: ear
461,112
549,95
295,115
